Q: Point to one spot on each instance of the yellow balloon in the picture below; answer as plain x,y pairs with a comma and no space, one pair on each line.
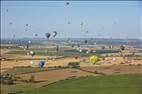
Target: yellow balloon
94,59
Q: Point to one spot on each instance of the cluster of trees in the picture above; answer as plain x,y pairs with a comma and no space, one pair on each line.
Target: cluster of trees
7,79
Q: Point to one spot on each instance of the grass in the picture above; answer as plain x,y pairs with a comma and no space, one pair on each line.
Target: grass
28,69
23,70
5,89
118,84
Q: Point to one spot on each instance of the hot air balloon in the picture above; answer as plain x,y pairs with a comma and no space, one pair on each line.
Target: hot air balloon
103,47
41,64
67,3
88,51
122,47
78,45
80,50
27,27
72,45
32,53
86,41
36,35
31,62
114,22
27,24
29,42
26,30
76,57
114,59
47,59
14,36
68,22
27,46
6,10
81,24
94,59
10,23
47,35
110,46
87,31
57,48
54,33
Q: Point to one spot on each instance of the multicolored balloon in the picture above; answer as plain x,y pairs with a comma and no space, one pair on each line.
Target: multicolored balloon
54,33
32,53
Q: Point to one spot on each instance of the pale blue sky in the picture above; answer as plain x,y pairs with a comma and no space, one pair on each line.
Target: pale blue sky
116,19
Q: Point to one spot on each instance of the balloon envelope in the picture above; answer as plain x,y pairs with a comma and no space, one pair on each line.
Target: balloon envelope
110,46
72,45
6,10
36,34
47,35
54,33
78,45
31,62
32,53
113,59
29,42
122,47
81,23
10,23
86,41
67,3
41,64
68,22
103,47
80,50
76,57
27,24
94,59
57,48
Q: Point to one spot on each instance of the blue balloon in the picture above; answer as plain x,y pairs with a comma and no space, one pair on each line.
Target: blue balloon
41,64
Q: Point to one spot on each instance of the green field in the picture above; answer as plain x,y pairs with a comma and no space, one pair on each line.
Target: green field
118,84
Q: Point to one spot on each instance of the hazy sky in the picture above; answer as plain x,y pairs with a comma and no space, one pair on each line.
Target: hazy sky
115,19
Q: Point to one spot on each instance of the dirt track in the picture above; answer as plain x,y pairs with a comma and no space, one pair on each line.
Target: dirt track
52,76
116,69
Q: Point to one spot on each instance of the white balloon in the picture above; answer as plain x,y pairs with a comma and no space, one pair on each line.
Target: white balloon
29,41
87,52
31,62
114,59
80,50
